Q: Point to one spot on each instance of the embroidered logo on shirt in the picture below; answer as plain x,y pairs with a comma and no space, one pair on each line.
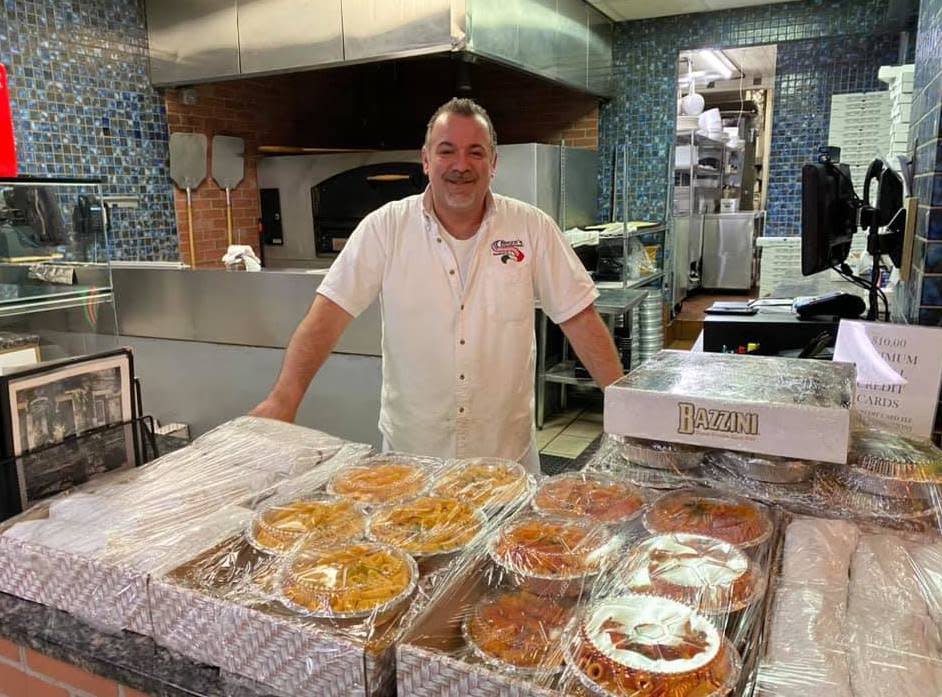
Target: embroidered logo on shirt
508,250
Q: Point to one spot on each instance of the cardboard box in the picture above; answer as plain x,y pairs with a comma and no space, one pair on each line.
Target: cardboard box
424,667
107,596
771,406
261,640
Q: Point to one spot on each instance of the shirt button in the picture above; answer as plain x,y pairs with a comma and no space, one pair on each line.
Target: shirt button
461,342
461,410
462,307
451,272
438,239
461,377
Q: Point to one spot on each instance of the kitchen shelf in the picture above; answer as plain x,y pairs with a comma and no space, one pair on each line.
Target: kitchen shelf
564,373
45,300
700,170
700,139
631,283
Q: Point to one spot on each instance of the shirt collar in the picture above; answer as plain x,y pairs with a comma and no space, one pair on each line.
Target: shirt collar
429,212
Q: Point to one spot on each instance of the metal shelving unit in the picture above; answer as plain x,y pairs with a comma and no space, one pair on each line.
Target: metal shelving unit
617,300
688,224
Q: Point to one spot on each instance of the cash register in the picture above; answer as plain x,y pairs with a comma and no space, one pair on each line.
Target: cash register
831,214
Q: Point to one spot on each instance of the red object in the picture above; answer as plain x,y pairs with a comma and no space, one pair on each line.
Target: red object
7,144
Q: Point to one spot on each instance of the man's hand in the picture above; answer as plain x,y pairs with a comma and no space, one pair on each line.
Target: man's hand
271,408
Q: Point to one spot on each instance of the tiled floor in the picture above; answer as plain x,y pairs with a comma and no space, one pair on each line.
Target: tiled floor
569,433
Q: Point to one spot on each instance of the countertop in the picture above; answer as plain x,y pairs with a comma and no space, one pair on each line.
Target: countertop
135,660
131,659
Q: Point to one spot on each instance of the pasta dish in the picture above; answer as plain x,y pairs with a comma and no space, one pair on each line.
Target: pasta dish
520,629
552,548
380,481
484,482
350,580
427,525
577,495
278,528
735,520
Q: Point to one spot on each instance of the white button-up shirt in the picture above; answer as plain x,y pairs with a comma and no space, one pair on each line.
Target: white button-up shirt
459,362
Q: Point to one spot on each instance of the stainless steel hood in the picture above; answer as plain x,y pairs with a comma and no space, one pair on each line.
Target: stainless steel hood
565,41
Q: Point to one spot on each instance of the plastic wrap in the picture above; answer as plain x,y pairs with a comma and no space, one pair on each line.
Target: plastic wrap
91,551
567,600
903,469
312,597
855,613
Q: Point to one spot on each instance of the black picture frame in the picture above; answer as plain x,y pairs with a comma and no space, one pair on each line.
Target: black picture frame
77,402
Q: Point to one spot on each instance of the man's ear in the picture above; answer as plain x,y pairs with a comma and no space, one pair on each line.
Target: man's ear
425,168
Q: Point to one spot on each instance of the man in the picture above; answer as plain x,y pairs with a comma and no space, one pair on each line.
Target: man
458,270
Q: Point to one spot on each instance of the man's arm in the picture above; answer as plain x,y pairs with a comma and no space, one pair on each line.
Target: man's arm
594,345
309,347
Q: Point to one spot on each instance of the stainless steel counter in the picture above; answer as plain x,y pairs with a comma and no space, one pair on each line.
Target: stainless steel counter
229,307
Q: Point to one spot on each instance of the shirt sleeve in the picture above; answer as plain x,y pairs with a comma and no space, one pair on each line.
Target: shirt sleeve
562,283
356,276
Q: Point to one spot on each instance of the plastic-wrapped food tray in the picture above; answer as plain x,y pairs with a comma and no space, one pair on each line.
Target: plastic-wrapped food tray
604,498
705,512
771,470
549,555
642,646
704,572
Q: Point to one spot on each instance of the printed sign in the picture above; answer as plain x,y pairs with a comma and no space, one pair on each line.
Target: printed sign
899,372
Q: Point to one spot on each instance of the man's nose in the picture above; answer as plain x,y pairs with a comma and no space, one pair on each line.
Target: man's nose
461,161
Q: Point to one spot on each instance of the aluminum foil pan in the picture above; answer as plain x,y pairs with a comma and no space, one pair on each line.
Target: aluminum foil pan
734,519
595,544
773,470
708,574
648,478
603,498
664,456
644,645
893,465
832,493
798,494
868,482
548,631
376,612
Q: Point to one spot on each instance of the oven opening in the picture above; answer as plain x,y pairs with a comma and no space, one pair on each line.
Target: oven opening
342,201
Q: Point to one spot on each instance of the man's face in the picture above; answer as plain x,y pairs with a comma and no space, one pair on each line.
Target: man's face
459,162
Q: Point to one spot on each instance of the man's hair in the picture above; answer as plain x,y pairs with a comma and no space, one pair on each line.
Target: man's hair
462,106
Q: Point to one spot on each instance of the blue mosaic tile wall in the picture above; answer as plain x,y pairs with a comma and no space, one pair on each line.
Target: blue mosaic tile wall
827,56
83,107
808,73
921,298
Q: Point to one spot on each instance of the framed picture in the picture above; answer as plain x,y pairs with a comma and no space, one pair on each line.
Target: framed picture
78,402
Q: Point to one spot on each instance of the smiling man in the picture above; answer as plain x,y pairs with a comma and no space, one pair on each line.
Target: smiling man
458,271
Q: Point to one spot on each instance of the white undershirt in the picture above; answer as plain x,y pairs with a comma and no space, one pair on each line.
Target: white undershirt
464,253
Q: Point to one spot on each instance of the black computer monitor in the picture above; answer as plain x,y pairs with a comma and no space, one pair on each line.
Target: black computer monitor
828,215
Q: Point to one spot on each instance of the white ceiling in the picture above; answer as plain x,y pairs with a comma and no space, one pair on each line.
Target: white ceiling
621,10
756,61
